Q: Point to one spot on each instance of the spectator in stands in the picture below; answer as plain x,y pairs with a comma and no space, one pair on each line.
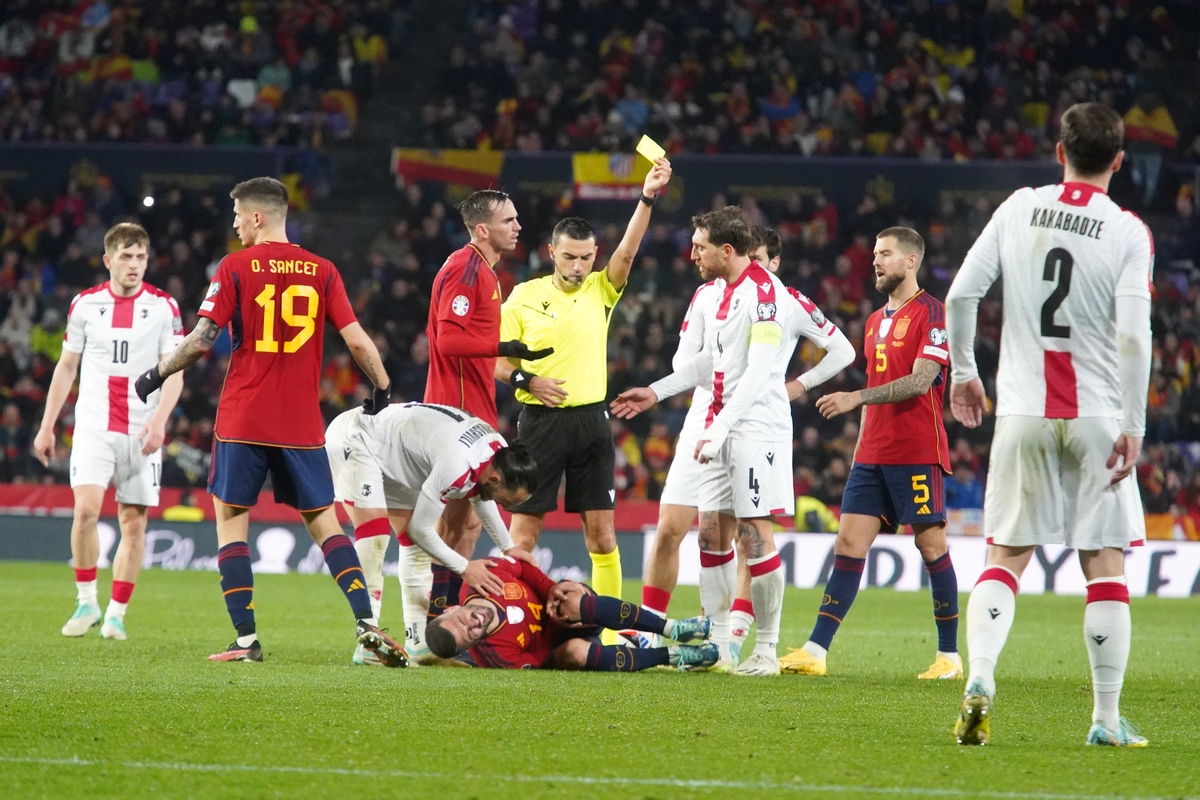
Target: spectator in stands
963,489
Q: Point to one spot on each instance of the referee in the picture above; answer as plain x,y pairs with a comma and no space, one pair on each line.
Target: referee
564,419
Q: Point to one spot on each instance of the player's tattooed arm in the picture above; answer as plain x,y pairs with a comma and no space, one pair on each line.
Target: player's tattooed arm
192,349
916,383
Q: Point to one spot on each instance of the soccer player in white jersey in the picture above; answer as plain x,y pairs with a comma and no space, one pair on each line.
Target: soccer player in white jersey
400,467
745,447
115,331
1071,406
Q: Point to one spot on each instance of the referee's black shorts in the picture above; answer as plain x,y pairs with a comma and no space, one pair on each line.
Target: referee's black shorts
576,441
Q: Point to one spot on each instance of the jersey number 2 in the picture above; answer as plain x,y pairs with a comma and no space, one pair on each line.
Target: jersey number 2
1058,261
305,322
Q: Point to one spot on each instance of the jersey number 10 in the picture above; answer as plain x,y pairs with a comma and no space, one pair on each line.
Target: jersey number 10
267,343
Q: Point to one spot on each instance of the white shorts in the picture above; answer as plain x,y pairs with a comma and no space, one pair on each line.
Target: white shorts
682,486
358,479
749,479
101,457
1048,484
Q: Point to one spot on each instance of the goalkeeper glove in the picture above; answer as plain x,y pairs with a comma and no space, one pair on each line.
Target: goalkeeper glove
516,349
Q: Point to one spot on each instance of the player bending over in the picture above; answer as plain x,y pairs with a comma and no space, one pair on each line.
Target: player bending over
1071,406
901,457
399,469
531,622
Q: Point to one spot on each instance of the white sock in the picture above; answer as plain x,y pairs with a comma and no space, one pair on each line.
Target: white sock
116,609
1106,632
766,593
86,592
990,613
246,641
416,581
739,626
815,650
715,596
371,550
729,573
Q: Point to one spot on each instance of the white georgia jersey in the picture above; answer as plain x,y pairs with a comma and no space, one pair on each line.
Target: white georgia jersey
758,296
1066,252
691,341
437,449
119,338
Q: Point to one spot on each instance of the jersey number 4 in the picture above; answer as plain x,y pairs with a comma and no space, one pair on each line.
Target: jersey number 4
306,322
1058,264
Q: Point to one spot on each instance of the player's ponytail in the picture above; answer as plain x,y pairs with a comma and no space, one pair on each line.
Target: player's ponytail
516,466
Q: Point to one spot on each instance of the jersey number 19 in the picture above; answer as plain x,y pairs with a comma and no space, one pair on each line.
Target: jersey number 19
267,343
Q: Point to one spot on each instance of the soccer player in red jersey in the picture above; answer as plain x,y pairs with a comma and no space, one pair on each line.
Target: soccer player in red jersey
901,458
276,298
535,623
464,341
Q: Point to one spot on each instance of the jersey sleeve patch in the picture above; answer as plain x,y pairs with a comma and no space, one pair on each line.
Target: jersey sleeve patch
460,305
937,336
765,312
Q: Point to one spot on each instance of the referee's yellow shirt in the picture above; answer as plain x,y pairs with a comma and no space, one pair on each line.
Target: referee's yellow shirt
575,325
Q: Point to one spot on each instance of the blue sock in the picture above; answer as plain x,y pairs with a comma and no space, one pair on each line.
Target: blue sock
439,593
619,658
616,615
943,583
453,587
839,596
343,564
237,584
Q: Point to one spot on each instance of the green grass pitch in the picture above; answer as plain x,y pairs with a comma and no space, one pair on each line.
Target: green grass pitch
151,718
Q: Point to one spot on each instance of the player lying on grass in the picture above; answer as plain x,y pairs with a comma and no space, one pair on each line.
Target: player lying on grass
397,470
535,623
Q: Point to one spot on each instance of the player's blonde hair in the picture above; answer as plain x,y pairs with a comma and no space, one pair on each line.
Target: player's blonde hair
125,234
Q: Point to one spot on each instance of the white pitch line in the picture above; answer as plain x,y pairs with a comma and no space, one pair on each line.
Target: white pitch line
587,780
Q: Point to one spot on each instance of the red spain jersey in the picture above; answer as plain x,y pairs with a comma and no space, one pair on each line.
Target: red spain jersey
522,641
911,431
275,297
466,301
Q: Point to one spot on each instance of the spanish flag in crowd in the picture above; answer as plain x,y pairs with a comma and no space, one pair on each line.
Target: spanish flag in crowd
1155,127
609,176
478,169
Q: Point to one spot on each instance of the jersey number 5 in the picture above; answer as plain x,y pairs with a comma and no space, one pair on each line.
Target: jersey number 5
305,322
881,357
1058,261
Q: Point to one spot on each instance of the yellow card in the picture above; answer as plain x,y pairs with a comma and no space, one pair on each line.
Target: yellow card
650,149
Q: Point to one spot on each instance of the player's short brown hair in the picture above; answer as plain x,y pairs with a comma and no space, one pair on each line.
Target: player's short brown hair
768,238
266,192
908,239
125,234
727,226
1091,134
439,640
479,207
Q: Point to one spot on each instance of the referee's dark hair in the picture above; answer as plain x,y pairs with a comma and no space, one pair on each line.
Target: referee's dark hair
517,468
478,207
909,240
1092,134
576,228
768,238
439,640
727,226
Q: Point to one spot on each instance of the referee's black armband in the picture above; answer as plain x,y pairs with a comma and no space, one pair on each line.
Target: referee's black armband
520,379
650,201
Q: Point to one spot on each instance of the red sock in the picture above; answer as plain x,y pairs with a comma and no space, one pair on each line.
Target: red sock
743,605
656,599
122,591
85,575
373,527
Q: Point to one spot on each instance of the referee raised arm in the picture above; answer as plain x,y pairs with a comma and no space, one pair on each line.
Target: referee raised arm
564,419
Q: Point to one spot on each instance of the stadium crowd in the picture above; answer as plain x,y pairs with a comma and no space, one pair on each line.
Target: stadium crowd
50,248
190,73
933,81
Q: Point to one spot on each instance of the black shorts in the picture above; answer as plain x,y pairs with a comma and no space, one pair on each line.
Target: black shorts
576,441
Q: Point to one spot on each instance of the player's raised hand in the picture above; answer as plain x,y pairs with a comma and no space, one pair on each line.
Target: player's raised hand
831,405
148,383
43,445
548,391
151,436
657,178
518,349
968,402
631,402
481,579
1126,450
